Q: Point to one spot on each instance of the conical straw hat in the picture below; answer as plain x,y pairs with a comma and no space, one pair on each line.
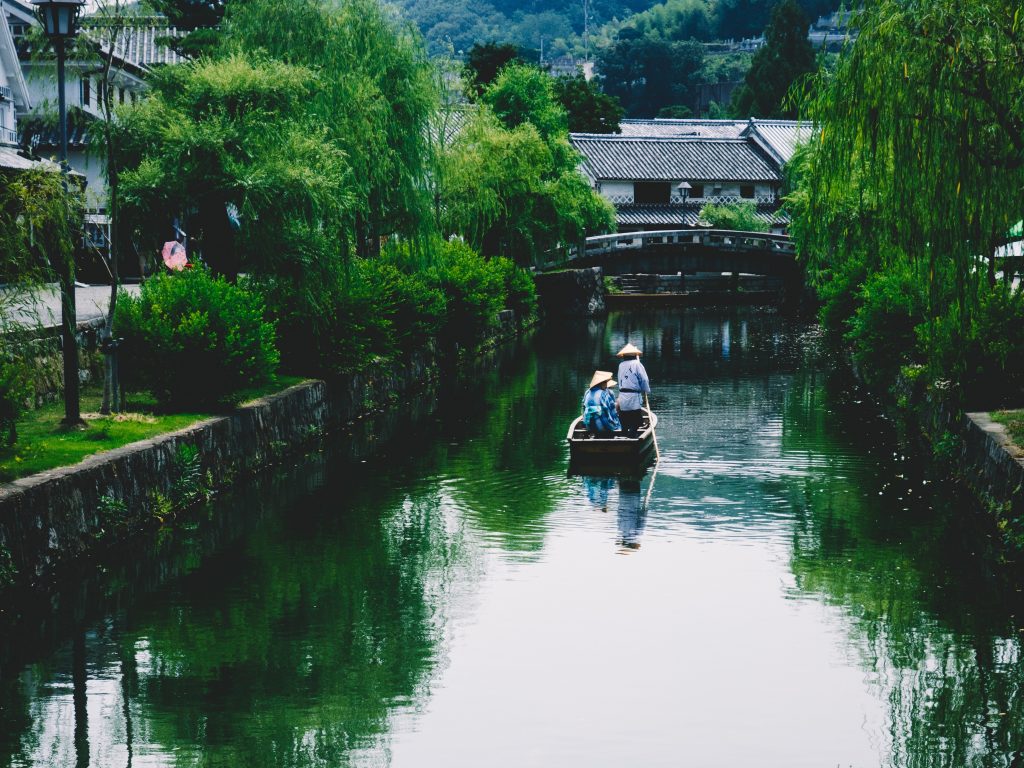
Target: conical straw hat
600,377
629,349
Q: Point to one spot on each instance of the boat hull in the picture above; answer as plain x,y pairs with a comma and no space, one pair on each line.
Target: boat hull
583,446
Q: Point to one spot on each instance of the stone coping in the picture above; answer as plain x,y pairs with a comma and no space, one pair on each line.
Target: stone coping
999,433
101,458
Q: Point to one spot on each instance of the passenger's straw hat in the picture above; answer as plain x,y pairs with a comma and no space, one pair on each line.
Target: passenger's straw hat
601,377
629,349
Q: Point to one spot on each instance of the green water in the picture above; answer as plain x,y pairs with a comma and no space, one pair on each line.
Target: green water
785,590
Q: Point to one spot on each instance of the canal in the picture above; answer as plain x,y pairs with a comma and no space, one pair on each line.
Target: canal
785,589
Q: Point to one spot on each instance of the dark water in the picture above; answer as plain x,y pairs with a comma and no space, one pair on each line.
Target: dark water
785,590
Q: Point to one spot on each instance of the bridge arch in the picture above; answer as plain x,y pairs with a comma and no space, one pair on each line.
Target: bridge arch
686,251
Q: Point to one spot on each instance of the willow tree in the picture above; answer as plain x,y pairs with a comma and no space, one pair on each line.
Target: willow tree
919,148
375,95
228,143
36,242
509,183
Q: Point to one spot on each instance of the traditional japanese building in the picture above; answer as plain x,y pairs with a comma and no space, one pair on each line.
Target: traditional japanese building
660,173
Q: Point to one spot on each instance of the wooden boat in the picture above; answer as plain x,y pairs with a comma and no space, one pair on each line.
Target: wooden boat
591,448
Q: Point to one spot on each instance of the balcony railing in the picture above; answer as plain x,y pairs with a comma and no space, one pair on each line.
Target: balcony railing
7,136
5,93
697,202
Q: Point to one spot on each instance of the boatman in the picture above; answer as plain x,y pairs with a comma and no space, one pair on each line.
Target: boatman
599,416
633,385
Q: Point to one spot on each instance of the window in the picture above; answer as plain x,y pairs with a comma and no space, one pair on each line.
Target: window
696,190
86,95
747,190
120,95
652,192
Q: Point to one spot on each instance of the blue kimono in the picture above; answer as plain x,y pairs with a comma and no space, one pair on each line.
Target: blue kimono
599,413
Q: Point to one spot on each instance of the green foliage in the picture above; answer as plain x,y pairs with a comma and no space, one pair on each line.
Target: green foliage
195,340
649,73
226,132
786,58
474,289
16,388
519,288
484,61
35,234
741,216
589,110
523,94
385,308
374,94
510,192
882,331
190,485
867,192
994,357
111,516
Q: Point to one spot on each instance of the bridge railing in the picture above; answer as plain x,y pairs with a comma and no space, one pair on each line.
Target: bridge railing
725,239
722,239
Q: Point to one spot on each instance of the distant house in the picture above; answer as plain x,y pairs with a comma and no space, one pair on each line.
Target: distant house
14,100
134,52
721,161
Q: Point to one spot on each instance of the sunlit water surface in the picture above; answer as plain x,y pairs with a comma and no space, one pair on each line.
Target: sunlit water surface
783,589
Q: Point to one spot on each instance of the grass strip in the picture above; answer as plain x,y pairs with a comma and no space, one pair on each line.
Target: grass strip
44,443
1014,422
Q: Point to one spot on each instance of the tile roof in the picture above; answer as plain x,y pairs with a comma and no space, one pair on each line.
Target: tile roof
607,156
779,137
15,160
137,43
655,217
663,128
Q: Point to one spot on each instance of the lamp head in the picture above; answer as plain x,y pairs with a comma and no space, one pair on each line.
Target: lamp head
59,17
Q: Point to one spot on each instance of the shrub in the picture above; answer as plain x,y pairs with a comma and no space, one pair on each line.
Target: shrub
194,340
882,328
520,290
995,355
474,289
741,216
15,390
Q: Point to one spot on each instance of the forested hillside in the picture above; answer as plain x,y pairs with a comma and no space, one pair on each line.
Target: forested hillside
456,25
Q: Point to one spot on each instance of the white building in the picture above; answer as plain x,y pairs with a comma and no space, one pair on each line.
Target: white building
640,170
134,52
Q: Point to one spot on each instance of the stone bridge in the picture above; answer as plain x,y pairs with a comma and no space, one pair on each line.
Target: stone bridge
687,251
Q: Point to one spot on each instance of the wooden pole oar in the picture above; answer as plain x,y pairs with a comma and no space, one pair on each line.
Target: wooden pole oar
654,432
650,488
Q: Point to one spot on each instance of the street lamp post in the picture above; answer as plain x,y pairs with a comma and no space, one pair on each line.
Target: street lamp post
684,192
59,18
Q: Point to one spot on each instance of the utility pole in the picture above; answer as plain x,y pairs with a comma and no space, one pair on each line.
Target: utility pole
586,31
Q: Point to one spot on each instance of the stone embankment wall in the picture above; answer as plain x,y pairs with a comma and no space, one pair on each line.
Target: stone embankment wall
571,293
993,466
56,517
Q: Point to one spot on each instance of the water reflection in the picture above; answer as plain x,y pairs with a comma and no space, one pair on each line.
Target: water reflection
627,500
802,595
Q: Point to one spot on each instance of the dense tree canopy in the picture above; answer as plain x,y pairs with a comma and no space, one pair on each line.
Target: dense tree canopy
485,60
647,74
509,182
786,57
589,109
917,169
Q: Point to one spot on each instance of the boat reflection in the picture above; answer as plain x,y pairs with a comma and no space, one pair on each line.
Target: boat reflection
623,489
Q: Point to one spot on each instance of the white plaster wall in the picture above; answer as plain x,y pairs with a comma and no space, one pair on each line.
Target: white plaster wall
616,189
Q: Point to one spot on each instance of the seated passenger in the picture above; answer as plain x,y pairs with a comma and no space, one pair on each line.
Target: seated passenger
599,414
